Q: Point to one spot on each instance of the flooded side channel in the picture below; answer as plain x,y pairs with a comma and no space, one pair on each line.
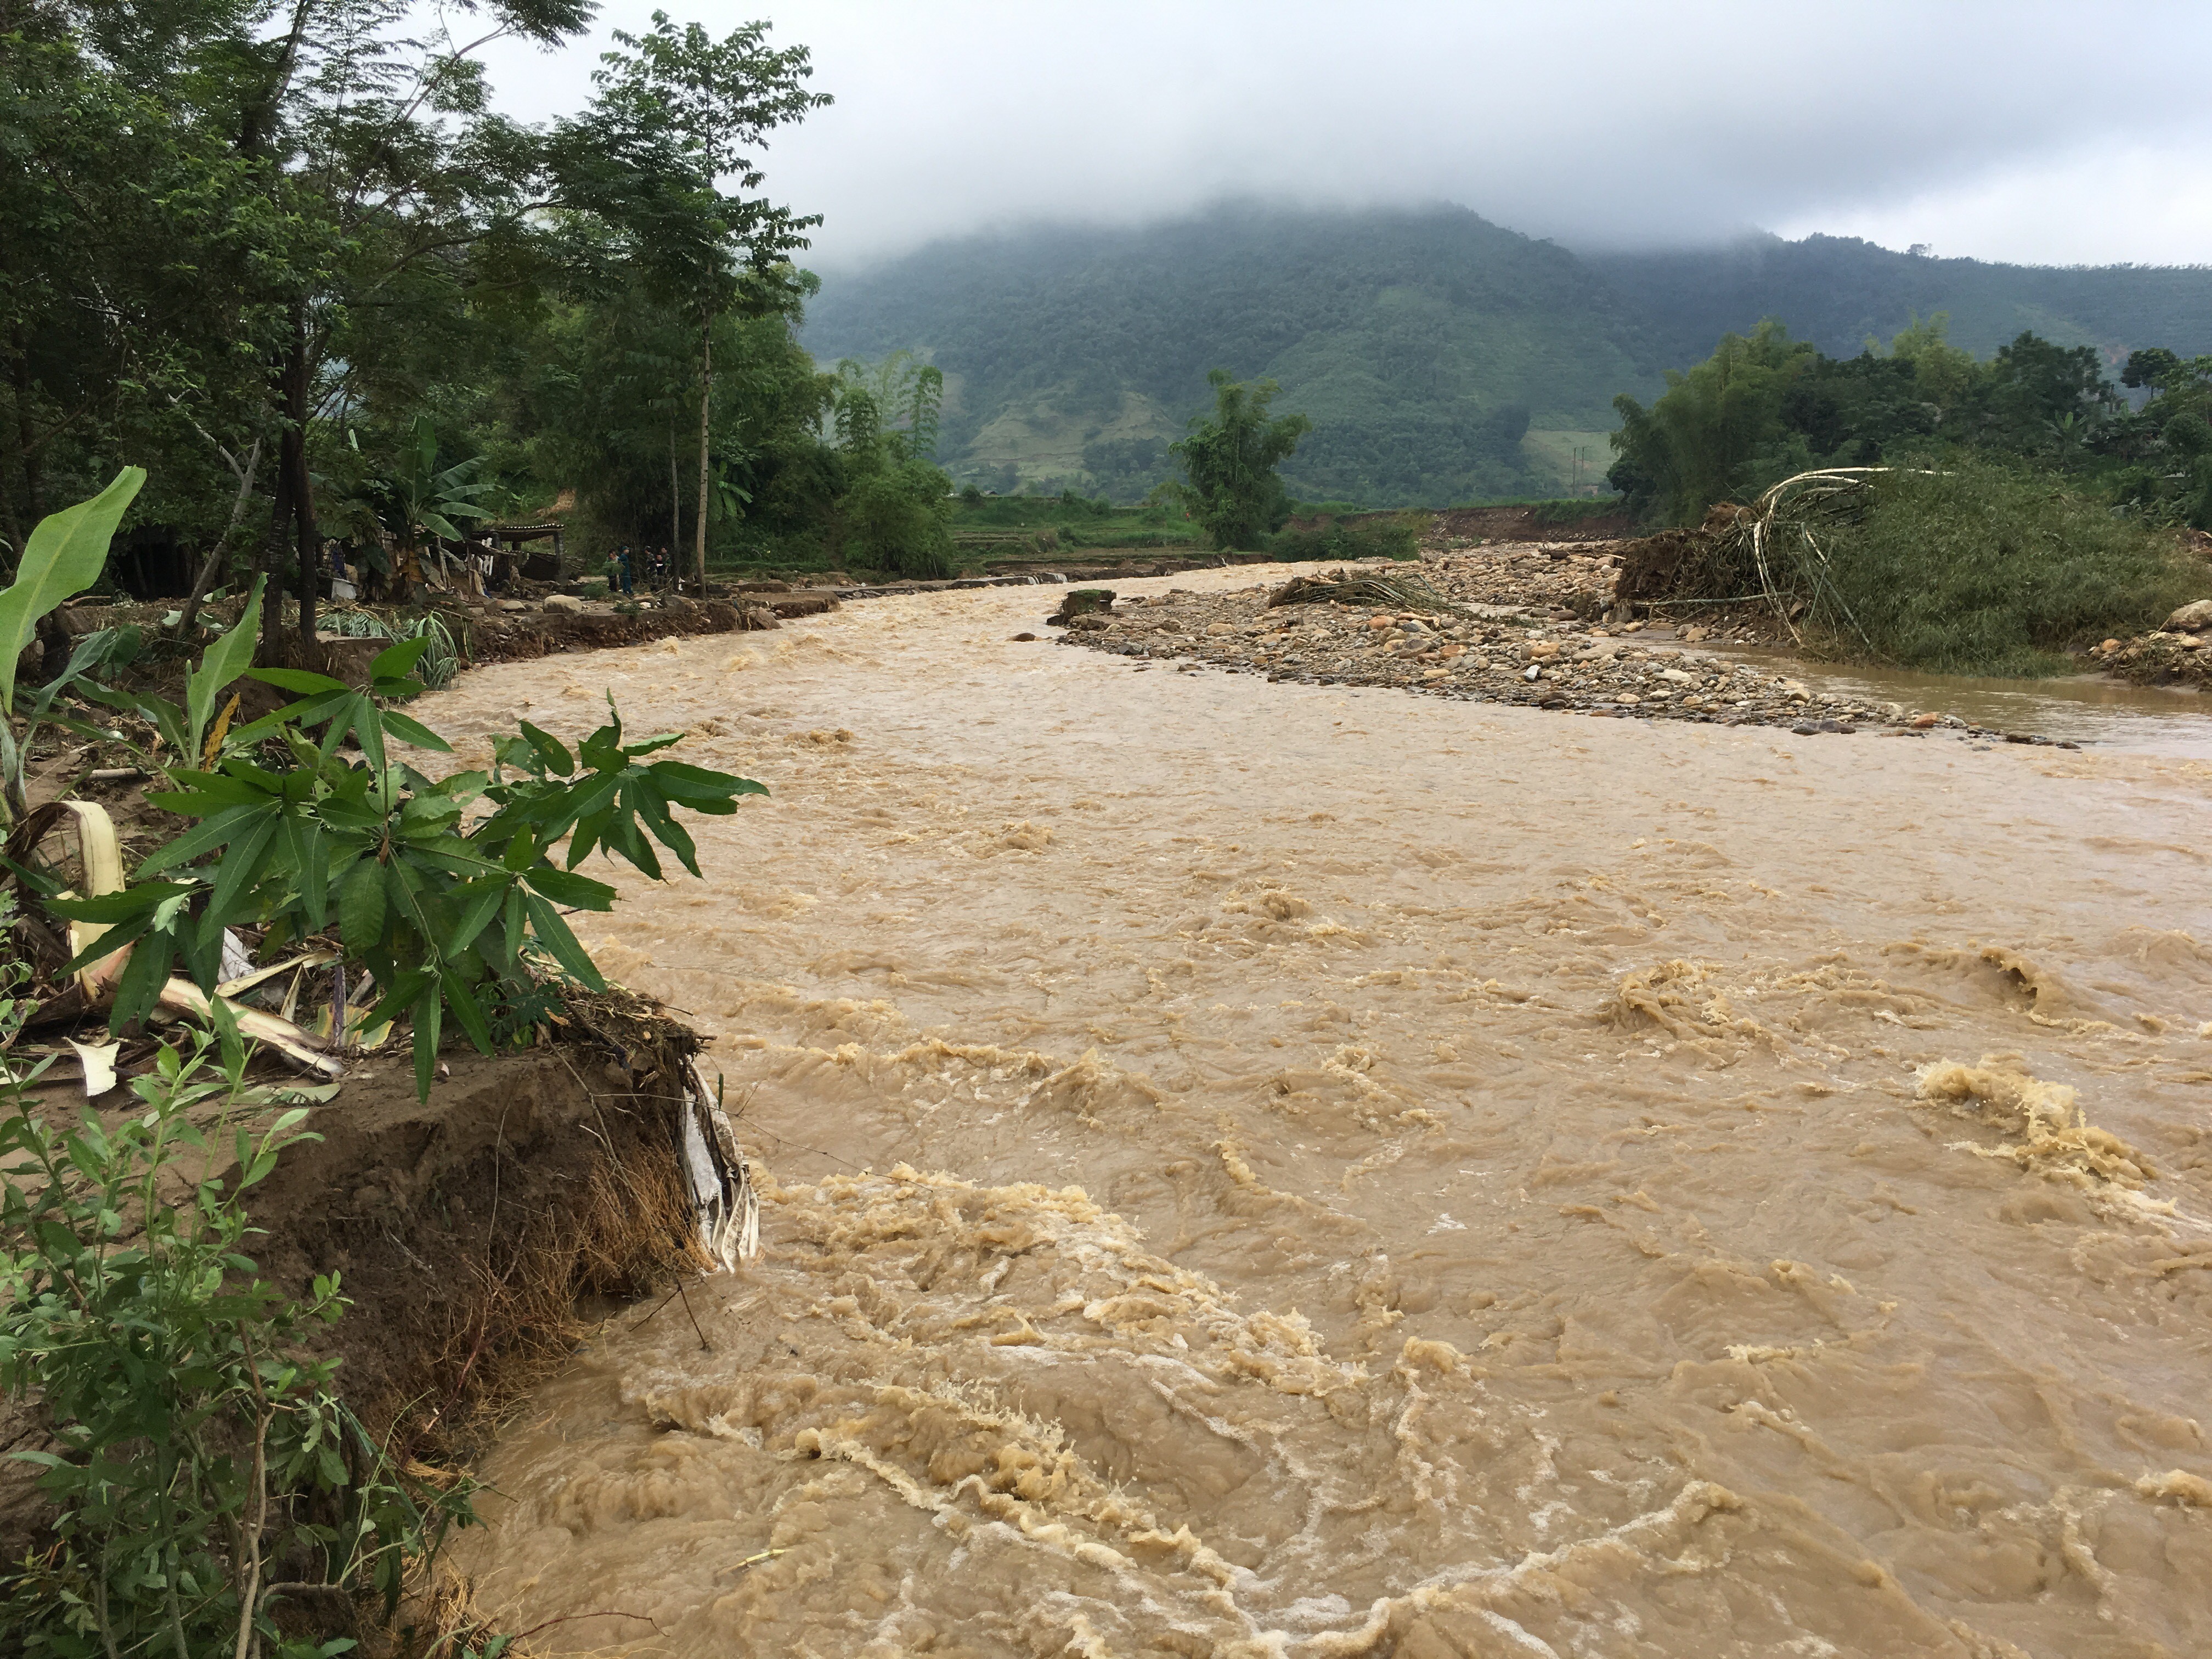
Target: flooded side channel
2116,716
1268,1169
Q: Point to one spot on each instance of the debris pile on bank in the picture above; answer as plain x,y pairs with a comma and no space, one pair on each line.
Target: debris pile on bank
2179,654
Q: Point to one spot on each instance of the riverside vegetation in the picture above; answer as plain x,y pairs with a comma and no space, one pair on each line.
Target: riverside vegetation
210,1489
1936,511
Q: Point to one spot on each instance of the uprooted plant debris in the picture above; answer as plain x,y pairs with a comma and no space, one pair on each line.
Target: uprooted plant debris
1407,591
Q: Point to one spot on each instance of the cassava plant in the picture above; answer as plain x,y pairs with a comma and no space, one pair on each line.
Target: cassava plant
444,904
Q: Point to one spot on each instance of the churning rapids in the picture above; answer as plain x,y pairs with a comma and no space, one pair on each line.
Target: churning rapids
1274,1169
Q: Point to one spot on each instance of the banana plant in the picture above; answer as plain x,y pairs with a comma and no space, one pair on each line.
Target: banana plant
63,556
418,499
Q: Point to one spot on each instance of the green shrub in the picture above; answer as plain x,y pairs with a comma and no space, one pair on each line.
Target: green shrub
1979,569
898,514
1376,536
206,1473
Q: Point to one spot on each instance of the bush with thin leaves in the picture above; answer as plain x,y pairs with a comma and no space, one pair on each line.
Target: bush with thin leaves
205,1474
1372,536
1979,569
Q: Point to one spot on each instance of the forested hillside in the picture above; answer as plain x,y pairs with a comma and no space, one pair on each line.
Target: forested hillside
1441,357
1424,345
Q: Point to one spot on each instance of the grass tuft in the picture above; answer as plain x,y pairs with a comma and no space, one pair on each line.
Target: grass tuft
1371,536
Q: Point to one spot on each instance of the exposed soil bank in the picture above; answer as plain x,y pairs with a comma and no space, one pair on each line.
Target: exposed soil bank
1528,524
520,636
465,1229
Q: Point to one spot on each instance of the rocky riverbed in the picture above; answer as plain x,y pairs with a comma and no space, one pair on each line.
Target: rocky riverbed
1524,625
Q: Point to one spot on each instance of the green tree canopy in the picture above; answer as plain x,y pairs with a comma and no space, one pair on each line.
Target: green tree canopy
246,236
1231,461
1699,442
711,103
1764,406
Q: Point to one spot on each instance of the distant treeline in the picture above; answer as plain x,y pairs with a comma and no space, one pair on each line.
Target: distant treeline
1764,406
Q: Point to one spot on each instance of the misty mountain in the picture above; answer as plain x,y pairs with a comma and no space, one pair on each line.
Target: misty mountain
1836,291
1443,358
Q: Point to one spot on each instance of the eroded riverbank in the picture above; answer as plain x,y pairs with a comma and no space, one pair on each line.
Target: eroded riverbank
1280,1169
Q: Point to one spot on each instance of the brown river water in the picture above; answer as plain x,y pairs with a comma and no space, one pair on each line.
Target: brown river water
1263,1169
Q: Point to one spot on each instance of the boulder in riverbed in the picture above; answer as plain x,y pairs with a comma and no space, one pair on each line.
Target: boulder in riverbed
2196,614
1081,602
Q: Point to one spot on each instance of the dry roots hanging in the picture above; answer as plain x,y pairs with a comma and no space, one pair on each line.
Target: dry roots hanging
1770,552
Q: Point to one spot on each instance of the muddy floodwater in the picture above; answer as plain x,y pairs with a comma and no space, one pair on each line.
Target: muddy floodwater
2087,708
1274,1169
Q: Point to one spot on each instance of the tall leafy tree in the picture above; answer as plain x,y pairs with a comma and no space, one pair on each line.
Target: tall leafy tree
383,147
895,506
325,202
2039,396
1764,406
1701,442
1231,461
606,393
2168,442
136,238
713,103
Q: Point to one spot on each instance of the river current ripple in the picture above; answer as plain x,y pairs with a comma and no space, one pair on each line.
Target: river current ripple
1273,1169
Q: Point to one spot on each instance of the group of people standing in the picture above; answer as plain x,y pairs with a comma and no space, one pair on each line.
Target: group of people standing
628,566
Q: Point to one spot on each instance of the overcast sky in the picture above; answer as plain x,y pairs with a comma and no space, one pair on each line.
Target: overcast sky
2077,133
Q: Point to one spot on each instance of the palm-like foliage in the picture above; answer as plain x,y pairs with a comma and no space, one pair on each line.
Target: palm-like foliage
418,498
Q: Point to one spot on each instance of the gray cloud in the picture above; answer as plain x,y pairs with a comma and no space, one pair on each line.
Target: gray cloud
2058,133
